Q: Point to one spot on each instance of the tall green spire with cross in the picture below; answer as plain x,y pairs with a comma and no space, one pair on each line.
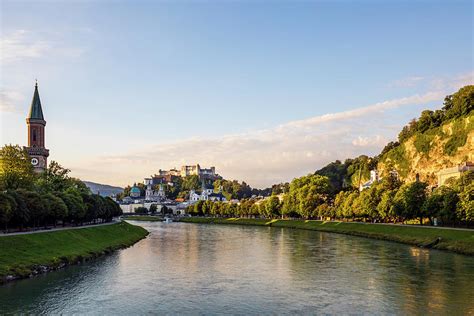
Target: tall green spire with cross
36,112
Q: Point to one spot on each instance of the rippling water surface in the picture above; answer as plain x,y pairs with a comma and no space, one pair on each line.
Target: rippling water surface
210,269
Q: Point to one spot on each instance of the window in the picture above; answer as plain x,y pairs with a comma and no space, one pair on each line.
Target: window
34,135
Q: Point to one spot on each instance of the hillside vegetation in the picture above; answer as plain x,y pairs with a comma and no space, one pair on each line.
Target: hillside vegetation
436,140
425,153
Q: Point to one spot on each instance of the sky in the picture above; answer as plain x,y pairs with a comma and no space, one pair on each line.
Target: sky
265,91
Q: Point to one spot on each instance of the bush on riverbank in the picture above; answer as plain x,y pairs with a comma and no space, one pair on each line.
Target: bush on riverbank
29,254
460,241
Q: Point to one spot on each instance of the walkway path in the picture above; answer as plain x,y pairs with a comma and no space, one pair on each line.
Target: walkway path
414,225
2,234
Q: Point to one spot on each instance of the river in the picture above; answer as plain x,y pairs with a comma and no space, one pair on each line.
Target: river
214,269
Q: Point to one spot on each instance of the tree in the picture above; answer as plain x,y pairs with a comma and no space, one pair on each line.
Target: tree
465,206
75,205
369,200
272,207
16,170
55,178
21,214
141,210
410,199
56,209
7,208
348,206
386,208
35,205
191,183
153,208
425,122
460,103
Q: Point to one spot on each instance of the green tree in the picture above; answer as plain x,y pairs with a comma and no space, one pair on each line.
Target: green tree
386,208
55,178
369,200
75,205
410,199
21,214
35,205
465,206
348,206
191,183
272,207
16,170
56,209
141,210
7,208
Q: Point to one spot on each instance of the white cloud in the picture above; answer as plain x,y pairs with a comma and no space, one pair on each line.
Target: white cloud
267,156
406,82
20,45
452,84
370,141
9,100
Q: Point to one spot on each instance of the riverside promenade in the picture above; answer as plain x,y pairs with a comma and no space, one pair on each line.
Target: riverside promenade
2,234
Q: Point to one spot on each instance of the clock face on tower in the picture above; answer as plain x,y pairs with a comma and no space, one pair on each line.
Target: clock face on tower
34,161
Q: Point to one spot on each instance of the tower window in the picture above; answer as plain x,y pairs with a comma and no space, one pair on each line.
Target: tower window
34,135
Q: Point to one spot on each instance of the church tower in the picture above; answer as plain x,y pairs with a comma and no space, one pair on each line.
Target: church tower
36,141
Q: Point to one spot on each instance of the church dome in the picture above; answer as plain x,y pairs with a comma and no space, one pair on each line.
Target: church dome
135,190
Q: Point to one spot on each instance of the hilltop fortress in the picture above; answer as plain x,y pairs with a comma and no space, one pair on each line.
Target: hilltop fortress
206,175
190,170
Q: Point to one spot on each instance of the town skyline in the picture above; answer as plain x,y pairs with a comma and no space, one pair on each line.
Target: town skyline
265,125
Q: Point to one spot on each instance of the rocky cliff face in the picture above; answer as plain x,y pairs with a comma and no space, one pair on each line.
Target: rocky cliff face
435,149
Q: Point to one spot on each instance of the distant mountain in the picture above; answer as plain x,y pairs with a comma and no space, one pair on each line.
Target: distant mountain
103,189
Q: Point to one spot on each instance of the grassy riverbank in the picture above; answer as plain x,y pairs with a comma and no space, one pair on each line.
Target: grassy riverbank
459,241
145,218
25,255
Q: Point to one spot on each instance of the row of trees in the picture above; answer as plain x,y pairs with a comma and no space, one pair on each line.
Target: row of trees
388,200
28,199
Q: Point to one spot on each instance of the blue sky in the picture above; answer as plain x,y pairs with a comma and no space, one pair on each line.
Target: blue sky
129,87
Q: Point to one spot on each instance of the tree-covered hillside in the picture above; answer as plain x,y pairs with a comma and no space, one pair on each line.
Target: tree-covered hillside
436,140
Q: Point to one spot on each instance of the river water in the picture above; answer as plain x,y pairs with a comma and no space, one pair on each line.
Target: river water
213,269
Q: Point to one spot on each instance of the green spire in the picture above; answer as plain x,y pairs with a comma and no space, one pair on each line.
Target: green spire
36,112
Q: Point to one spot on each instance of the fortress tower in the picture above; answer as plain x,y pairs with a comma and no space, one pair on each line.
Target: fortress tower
36,140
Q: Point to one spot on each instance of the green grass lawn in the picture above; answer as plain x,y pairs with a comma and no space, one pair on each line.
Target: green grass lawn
20,254
454,240
144,218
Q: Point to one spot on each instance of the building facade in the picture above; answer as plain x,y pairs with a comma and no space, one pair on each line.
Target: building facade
154,195
454,172
36,134
207,194
196,170
374,177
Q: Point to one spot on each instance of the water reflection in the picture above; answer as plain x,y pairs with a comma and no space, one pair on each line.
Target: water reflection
188,268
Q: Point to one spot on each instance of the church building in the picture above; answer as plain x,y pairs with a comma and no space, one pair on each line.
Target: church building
36,141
